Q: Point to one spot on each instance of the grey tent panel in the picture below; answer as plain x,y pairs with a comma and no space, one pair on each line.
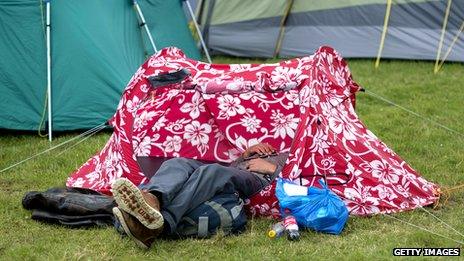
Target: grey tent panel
305,40
414,32
242,39
413,15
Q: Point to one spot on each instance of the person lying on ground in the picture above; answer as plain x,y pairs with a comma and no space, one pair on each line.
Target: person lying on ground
180,185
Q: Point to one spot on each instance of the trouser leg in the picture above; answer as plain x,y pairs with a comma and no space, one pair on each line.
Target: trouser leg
205,182
170,178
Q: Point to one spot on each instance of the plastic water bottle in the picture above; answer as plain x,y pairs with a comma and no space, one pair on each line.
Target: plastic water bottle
291,228
277,230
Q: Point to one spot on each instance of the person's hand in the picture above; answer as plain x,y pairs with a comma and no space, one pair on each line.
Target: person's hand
260,148
261,166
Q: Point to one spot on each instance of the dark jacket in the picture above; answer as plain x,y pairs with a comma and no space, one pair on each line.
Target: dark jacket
72,207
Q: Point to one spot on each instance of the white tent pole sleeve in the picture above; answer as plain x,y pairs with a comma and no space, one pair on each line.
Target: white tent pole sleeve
203,44
144,24
49,72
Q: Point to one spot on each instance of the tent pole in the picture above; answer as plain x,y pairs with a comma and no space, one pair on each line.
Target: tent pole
450,48
199,9
197,28
144,24
49,71
283,22
442,37
384,33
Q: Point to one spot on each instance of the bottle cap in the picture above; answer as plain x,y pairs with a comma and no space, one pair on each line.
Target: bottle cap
271,233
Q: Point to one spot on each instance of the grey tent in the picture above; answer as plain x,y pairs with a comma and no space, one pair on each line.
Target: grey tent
287,28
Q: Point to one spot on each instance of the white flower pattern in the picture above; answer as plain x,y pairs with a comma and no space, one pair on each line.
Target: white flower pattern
283,124
251,123
196,133
217,124
230,106
195,107
172,143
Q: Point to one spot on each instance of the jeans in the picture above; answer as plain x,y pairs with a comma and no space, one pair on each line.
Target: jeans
183,184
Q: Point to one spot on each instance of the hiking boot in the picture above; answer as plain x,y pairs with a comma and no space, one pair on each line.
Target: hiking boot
141,205
140,234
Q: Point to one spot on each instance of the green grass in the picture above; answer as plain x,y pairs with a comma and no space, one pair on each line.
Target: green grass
436,153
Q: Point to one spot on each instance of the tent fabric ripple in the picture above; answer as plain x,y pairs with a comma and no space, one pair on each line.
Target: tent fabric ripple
304,106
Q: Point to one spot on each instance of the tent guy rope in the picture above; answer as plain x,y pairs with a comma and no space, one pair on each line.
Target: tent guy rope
82,140
424,229
419,206
446,194
414,113
443,222
91,131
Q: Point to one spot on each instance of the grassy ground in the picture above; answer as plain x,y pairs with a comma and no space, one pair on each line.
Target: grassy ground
436,153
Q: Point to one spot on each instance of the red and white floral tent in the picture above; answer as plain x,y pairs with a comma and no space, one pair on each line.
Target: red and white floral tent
304,106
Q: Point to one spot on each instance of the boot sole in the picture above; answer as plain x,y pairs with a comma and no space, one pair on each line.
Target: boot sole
118,214
130,199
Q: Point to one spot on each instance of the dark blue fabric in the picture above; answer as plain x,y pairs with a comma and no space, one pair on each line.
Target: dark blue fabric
228,201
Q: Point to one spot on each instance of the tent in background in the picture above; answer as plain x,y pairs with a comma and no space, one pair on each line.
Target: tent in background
96,47
291,28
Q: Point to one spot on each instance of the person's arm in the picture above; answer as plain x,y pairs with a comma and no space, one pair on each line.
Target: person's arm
262,166
260,148
268,168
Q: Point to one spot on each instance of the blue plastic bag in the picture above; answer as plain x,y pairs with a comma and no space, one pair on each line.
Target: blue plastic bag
320,209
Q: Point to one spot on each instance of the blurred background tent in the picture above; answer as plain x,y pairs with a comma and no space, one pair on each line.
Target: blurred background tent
287,28
96,45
